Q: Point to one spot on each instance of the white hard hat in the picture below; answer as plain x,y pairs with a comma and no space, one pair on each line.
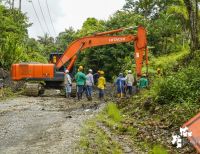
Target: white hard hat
90,70
129,71
66,71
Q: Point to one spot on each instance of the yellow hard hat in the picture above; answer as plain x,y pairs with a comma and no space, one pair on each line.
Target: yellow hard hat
144,74
102,72
80,68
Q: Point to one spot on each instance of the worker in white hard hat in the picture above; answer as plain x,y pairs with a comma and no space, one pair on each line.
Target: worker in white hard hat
89,84
129,82
68,83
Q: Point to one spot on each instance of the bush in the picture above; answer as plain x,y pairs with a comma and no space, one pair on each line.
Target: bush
179,88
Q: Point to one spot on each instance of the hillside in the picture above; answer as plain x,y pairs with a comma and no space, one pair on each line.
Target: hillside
147,121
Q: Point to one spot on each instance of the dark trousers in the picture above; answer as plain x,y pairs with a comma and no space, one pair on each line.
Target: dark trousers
101,93
130,90
80,91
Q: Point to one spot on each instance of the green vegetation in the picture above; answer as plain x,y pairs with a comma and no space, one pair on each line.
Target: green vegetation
95,139
157,149
113,112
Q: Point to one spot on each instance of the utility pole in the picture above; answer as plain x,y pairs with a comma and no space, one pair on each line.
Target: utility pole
20,4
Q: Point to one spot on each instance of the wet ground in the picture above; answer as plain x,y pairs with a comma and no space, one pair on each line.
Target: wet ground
37,125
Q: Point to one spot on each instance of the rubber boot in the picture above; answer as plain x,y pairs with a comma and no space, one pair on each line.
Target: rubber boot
89,98
118,95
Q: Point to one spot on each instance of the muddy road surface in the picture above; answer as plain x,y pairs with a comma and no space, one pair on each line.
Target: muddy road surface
38,125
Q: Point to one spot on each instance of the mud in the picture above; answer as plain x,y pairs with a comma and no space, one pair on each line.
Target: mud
37,125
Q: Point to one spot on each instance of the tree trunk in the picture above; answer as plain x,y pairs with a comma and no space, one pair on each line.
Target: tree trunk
192,8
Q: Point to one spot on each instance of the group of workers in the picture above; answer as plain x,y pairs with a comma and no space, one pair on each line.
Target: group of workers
85,83
129,85
124,84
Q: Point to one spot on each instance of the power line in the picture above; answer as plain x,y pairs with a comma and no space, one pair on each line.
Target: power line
44,18
37,16
50,17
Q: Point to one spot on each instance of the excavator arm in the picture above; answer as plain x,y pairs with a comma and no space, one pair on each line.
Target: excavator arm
88,42
103,38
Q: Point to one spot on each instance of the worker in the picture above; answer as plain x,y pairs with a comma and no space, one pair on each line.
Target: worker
68,84
158,72
1,88
89,84
101,85
120,83
96,77
129,82
143,82
80,78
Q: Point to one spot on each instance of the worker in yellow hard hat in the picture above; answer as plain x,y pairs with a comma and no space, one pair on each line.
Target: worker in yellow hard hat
80,68
80,78
158,71
101,85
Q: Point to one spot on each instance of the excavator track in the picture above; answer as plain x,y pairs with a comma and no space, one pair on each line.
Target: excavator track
33,89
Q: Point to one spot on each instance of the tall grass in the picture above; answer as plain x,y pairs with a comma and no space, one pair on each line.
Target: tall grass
113,112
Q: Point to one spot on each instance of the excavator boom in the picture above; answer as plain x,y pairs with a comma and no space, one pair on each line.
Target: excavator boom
88,42
100,39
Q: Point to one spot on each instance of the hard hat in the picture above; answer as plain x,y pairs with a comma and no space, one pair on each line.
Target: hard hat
80,68
102,72
90,70
120,74
158,69
99,71
66,71
144,75
129,71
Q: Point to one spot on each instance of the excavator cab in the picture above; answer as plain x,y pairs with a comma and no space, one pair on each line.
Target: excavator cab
54,57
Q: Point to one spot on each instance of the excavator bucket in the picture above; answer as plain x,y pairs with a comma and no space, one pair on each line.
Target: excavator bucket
193,126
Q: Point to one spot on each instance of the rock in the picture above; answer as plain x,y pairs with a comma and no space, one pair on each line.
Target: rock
127,149
87,110
68,116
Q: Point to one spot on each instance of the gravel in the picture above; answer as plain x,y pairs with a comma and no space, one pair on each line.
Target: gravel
38,125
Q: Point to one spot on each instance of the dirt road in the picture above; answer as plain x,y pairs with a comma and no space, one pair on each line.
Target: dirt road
38,125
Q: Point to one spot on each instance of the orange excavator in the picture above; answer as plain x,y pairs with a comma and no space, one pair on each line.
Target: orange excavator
51,73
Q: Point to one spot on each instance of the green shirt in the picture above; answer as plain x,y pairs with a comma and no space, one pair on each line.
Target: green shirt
80,79
143,83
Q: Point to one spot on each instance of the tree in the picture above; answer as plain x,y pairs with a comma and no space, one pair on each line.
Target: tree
193,11
65,38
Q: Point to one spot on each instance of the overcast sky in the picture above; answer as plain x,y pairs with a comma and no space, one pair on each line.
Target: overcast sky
66,13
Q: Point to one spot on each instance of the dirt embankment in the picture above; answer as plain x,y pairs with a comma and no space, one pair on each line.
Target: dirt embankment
43,124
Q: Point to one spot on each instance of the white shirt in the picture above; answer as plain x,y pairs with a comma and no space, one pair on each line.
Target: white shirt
89,80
